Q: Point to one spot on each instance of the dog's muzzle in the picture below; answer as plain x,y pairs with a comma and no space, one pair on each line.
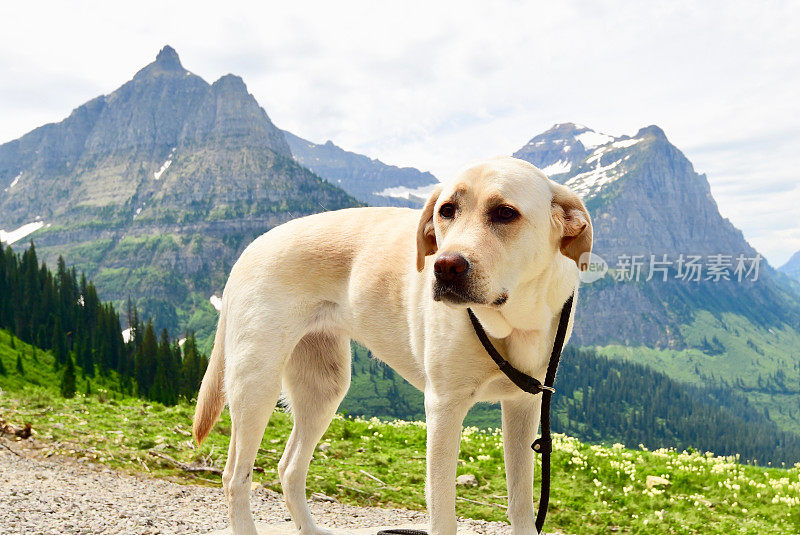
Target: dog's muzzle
452,282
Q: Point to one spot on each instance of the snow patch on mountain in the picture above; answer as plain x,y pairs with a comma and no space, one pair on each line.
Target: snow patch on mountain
579,157
9,237
163,168
625,143
591,139
13,182
165,165
557,168
588,183
402,192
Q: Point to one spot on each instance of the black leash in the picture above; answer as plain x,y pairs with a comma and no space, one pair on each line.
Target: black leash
543,444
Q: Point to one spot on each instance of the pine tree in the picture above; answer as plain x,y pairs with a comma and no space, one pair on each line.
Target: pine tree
86,359
138,332
68,379
2,368
20,369
165,383
193,366
129,316
59,343
146,360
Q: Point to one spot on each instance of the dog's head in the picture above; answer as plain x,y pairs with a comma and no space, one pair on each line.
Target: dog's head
497,226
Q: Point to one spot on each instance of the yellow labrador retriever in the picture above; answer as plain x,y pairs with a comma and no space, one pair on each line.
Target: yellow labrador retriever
501,239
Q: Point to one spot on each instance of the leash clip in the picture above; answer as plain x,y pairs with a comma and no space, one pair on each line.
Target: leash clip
542,445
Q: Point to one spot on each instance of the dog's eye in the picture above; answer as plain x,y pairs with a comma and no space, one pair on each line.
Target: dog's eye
504,214
447,210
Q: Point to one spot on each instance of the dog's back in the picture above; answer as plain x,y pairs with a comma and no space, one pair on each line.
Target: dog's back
314,262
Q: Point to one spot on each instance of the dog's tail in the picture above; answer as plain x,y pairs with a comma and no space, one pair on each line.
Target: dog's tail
211,398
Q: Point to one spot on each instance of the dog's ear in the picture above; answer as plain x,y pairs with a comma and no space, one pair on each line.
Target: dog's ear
572,221
426,237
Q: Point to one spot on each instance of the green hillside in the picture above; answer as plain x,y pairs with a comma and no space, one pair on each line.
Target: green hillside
596,489
61,312
760,362
40,373
603,400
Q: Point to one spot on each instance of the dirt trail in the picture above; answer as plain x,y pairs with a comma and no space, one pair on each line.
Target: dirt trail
62,495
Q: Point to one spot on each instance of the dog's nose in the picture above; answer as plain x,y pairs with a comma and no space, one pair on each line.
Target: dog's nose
449,266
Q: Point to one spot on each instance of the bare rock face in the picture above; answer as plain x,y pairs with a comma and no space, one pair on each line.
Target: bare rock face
229,115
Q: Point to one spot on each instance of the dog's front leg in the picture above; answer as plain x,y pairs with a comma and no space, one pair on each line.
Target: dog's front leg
444,416
520,422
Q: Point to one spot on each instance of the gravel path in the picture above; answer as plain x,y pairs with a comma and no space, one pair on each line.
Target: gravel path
61,495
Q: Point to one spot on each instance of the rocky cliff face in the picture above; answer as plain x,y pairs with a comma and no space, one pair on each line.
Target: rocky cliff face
155,188
646,199
366,179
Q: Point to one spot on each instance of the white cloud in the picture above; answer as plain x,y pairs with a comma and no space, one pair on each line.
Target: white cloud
436,85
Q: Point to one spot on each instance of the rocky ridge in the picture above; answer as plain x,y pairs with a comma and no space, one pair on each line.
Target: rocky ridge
367,179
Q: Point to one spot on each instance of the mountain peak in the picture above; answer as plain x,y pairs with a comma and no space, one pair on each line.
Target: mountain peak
231,81
651,130
167,62
562,146
569,134
566,128
792,266
167,58
230,115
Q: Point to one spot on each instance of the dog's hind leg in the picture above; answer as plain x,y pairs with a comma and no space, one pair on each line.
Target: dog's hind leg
253,388
316,378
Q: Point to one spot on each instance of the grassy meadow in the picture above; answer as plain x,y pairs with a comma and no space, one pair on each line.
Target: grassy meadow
596,488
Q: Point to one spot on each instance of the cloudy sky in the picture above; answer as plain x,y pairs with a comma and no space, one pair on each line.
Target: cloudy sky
437,86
